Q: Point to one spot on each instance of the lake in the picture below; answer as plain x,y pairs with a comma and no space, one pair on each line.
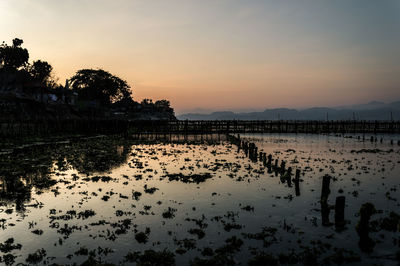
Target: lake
201,200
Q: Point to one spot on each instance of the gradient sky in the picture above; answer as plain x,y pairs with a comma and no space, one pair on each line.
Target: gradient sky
221,54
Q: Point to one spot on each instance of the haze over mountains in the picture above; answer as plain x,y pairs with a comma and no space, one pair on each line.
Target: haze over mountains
373,110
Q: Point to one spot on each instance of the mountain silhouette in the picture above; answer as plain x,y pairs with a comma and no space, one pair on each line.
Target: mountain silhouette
373,110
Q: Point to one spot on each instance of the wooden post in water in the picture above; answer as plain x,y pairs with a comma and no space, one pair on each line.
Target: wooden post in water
339,212
264,158
283,163
366,244
297,176
324,200
289,176
269,160
297,182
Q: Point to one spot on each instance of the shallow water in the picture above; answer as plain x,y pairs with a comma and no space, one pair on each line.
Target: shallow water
75,211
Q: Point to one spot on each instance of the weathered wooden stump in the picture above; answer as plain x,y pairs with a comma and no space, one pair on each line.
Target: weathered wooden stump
283,163
339,212
269,160
288,176
324,200
297,176
366,244
297,187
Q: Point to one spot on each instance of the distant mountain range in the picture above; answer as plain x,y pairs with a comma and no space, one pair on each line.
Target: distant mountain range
371,111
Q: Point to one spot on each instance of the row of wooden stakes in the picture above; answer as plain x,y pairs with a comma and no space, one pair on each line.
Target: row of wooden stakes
251,150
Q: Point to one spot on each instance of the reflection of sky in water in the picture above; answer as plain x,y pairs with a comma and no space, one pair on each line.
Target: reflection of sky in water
363,177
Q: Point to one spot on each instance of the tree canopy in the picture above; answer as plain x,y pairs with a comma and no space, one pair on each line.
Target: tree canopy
13,57
41,71
100,85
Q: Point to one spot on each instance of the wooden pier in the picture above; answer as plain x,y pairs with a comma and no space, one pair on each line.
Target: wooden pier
265,126
93,126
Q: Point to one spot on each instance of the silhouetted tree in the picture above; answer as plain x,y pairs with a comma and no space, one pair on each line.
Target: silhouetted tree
41,71
100,85
162,104
147,102
13,57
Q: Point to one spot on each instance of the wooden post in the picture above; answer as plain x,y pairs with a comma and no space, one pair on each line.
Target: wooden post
339,212
283,167
366,244
297,177
324,200
264,158
289,176
297,182
269,160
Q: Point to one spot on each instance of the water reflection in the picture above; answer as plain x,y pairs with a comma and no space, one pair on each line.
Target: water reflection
33,167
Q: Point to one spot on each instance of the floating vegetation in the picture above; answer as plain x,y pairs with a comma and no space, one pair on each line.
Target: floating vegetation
151,257
9,246
195,178
169,213
36,257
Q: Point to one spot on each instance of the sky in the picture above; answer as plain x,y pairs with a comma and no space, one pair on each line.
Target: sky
221,54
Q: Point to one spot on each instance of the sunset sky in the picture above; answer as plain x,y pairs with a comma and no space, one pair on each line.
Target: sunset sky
221,54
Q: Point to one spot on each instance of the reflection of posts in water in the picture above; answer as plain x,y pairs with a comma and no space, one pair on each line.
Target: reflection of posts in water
246,147
269,165
276,169
339,212
255,152
366,244
283,167
324,200
297,182
288,176
269,160
19,204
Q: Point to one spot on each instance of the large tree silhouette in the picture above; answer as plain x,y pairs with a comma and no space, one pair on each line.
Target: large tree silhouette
13,57
100,85
41,71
